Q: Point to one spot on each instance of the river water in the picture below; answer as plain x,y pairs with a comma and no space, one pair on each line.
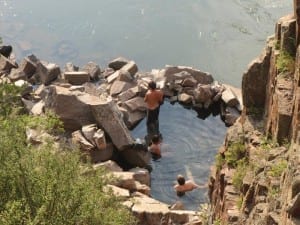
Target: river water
217,36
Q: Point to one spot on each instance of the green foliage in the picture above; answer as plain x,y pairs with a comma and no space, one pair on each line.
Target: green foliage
217,222
46,185
204,214
240,172
48,122
235,152
267,144
274,192
240,202
219,161
277,169
10,101
285,62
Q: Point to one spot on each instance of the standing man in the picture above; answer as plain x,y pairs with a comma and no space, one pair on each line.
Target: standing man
154,98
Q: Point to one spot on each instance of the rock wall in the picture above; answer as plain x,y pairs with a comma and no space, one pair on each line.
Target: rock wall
256,176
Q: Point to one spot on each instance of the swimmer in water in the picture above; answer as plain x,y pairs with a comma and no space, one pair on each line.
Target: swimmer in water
154,148
184,186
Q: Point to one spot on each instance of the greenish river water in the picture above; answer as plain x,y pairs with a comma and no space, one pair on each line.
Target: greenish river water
217,36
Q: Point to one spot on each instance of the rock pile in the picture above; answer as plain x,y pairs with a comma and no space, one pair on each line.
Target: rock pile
99,107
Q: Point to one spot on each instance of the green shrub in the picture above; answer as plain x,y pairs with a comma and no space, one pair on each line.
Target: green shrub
267,144
204,213
235,152
219,161
48,122
218,221
240,202
277,169
285,62
10,101
274,192
240,172
47,185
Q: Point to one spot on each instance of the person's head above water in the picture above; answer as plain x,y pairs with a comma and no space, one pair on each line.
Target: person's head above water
180,179
152,85
155,139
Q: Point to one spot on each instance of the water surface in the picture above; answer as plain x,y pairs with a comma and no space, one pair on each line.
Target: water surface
189,147
217,36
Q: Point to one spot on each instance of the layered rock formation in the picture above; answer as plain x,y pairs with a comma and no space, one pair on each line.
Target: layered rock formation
256,176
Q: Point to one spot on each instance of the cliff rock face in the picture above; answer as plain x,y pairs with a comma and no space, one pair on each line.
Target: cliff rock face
256,177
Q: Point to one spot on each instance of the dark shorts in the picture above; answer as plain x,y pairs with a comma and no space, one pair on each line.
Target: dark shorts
152,116
180,193
155,156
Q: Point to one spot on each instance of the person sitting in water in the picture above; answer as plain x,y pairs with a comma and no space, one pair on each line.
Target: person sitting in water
184,186
154,148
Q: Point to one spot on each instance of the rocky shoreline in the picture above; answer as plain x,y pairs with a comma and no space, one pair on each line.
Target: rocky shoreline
99,107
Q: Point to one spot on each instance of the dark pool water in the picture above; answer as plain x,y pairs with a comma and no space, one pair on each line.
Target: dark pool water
189,147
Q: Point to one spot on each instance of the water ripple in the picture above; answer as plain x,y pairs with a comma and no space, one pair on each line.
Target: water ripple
189,146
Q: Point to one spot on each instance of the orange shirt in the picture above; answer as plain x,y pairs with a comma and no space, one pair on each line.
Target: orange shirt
153,98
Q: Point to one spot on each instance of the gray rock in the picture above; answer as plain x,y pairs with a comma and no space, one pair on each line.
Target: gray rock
93,70
77,77
118,63
47,72
109,117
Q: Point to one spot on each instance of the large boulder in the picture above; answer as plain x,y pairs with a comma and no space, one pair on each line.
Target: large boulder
109,117
6,50
118,63
6,64
148,210
47,72
93,70
77,77
201,77
70,106
130,67
119,86
29,65
203,93
102,155
108,165
16,74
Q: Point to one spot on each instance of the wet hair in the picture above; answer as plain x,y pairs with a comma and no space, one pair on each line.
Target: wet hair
152,85
155,139
180,180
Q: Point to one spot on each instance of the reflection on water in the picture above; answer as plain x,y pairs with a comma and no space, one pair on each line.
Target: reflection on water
189,146
220,37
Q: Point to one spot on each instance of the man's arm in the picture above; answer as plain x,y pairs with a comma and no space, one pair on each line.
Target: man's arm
199,186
